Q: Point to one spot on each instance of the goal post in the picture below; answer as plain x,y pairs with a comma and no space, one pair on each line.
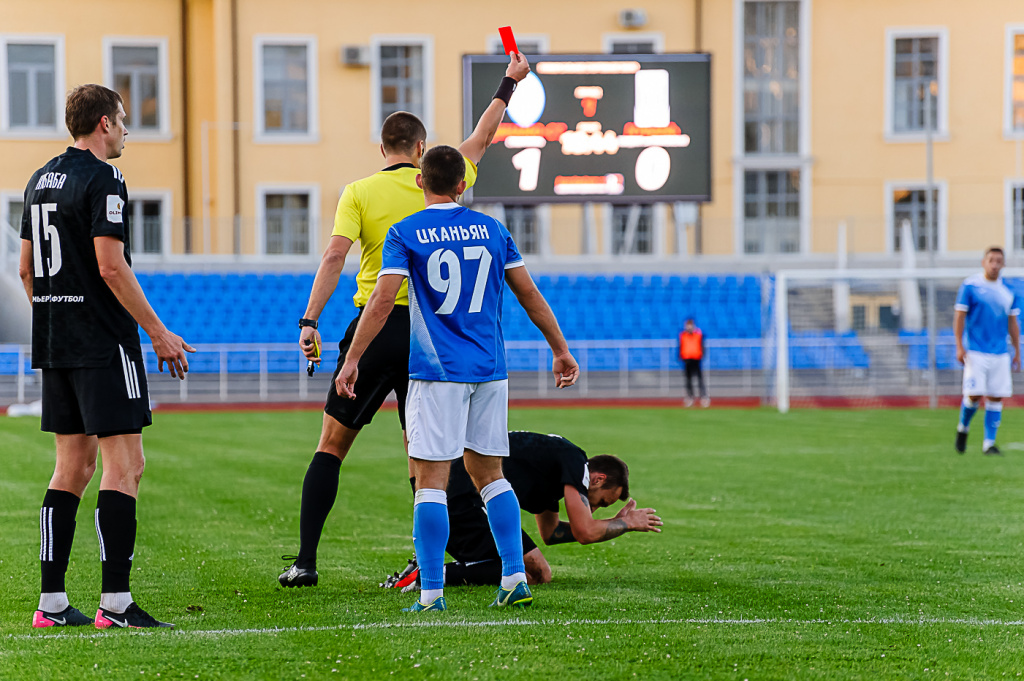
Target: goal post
866,337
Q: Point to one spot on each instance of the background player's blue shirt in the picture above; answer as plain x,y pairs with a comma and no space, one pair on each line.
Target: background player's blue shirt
455,259
989,306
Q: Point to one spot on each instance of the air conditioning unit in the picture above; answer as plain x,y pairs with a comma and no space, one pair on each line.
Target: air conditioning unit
355,55
632,18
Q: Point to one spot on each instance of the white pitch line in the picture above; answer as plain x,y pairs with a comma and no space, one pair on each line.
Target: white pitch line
460,623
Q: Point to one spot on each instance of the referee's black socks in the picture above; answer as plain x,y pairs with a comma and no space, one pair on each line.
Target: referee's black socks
115,527
56,534
319,490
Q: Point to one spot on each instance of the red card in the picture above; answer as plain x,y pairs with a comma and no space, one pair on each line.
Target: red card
508,41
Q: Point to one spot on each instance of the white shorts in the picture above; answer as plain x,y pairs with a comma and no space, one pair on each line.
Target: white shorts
443,419
987,375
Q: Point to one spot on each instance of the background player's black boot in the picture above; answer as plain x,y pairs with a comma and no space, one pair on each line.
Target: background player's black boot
993,451
961,441
296,576
132,618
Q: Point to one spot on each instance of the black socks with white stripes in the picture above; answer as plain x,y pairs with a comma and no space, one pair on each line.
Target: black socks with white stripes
319,490
56,534
115,527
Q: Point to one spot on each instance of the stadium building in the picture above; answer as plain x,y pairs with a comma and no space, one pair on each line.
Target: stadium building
247,122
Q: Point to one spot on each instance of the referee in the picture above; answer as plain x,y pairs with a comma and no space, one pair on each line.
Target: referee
366,211
86,310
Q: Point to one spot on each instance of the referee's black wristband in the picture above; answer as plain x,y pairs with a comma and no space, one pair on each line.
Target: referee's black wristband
505,90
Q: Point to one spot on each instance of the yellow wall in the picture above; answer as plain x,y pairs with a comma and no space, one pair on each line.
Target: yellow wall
849,157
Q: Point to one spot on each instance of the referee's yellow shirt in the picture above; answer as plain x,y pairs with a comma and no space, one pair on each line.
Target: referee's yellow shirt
368,208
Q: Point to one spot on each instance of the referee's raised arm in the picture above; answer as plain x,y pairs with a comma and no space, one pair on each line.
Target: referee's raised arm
476,144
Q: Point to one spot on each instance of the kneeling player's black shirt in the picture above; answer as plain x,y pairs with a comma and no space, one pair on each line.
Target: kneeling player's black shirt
540,466
76,319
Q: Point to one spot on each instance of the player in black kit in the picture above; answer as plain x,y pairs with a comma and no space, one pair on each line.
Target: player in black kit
543,470
86,309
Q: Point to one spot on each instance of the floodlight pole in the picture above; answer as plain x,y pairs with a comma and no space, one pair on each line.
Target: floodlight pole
930,235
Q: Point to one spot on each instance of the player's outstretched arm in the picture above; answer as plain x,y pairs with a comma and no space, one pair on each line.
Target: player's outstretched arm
589,530
564,367
476,144
25,268
381,302
169,347
324,284
553,530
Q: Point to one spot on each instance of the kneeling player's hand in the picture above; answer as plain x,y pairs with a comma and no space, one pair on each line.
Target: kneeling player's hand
309,343
171,348
345,383
640,519
566,370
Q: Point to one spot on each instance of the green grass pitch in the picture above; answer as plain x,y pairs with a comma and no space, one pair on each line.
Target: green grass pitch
815,545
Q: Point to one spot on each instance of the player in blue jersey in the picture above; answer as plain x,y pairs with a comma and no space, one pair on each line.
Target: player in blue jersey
988,309
457,262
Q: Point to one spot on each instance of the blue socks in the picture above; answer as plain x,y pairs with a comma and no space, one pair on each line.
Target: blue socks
430,537
503,517
967,411
993,415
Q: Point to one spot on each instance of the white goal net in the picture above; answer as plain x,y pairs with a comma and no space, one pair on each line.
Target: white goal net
866,337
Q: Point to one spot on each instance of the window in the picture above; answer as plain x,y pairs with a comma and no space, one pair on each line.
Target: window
633,43
146,219
137,69
630,238
771,77
33,84
1015,79
523,224
286,96
287,219
1017,215
11,210
916,75
771,221
530,44
910,205
402,79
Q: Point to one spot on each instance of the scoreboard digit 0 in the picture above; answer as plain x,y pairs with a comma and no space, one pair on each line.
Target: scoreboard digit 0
622,128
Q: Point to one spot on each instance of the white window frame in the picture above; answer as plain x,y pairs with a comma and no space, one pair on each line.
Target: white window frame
543,40
1009,244
941,133
312,134
262,190
163,134
1009,133
941,186
608,40
165,197
59,130
659,220
801,161
427,43
6,196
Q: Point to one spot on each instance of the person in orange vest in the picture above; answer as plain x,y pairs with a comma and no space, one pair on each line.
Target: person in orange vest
691,351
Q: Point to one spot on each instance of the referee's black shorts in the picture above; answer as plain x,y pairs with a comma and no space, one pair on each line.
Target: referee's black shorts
382,368
104,401
469,537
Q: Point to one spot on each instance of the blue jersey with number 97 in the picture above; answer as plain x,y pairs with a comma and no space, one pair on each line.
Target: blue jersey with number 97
455,259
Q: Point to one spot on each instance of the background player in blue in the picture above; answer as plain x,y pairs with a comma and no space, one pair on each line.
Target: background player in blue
457,261
988,309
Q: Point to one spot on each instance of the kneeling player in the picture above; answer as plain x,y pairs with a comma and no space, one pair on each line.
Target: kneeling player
542,469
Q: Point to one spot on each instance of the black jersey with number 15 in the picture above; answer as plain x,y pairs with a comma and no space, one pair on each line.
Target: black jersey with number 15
76,319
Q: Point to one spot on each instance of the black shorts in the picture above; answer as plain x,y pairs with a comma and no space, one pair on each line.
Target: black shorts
469,537
111,400
382,368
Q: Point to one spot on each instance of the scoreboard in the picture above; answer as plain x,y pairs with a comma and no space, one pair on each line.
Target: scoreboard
617,128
